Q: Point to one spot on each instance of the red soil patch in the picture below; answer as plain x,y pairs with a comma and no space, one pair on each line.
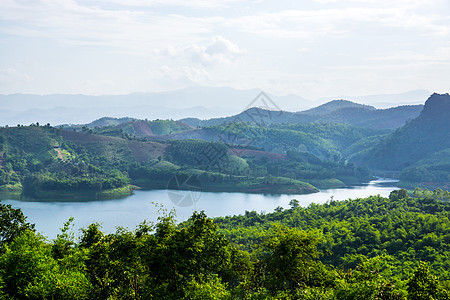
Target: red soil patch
144,151
142,128
59,154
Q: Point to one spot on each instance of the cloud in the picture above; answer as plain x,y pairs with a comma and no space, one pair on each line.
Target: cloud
13,73
177,3
133,27
240,42
342,21
440,55
217,50
69,23
169,77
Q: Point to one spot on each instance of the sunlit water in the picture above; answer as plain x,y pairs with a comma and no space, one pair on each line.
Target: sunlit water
128,212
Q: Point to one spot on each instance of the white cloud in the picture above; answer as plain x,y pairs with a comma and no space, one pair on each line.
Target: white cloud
219,50
215,50
131,31
440,55
169,77
178,3
313,24
242,43
13,73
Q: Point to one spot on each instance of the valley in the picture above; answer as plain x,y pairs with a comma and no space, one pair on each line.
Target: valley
257,151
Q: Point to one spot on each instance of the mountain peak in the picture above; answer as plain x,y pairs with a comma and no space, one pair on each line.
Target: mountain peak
335,105
437,104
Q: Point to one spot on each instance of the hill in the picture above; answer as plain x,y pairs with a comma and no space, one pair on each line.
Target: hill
390,118
102,122
337,111
42,161
335,105
176,104
386,100
324,140
47,162
419,148
122,127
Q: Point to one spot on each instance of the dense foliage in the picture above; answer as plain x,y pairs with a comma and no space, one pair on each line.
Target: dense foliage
372,248
256,151
408,229
420,149
38,159
337,111
42,162
328,141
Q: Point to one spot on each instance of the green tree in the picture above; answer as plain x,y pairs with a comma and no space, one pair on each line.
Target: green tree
289,262
12,224
28,271
424,286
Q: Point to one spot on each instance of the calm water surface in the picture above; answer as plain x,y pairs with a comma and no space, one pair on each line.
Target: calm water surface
128,212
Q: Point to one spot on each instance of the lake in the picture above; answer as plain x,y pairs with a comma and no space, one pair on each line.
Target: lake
128,212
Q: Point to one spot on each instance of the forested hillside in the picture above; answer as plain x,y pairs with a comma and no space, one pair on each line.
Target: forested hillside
337,111
39,160
420,148
257,155
42,161
372,248
124,127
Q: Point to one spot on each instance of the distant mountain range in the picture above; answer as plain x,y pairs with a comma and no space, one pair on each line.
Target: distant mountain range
345,125
337,111
200,102
197,102
262,149
419,146
385,100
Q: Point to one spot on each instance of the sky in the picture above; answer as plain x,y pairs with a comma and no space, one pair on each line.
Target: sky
311,48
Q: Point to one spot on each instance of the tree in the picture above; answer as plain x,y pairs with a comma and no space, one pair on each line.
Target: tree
12,224
28,271
289,261
178,260
294,203
398,194
424,286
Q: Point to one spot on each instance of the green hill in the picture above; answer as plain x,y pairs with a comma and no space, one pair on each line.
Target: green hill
102,122
390,118
46,162
337,111
324,140
420,148
334,106
124,127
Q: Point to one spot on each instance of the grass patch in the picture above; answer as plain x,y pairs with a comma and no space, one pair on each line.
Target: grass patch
17,187
331,183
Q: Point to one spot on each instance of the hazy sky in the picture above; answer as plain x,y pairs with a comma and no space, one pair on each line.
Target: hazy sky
312,48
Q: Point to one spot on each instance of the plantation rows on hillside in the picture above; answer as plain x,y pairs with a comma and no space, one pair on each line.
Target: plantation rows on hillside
43,162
